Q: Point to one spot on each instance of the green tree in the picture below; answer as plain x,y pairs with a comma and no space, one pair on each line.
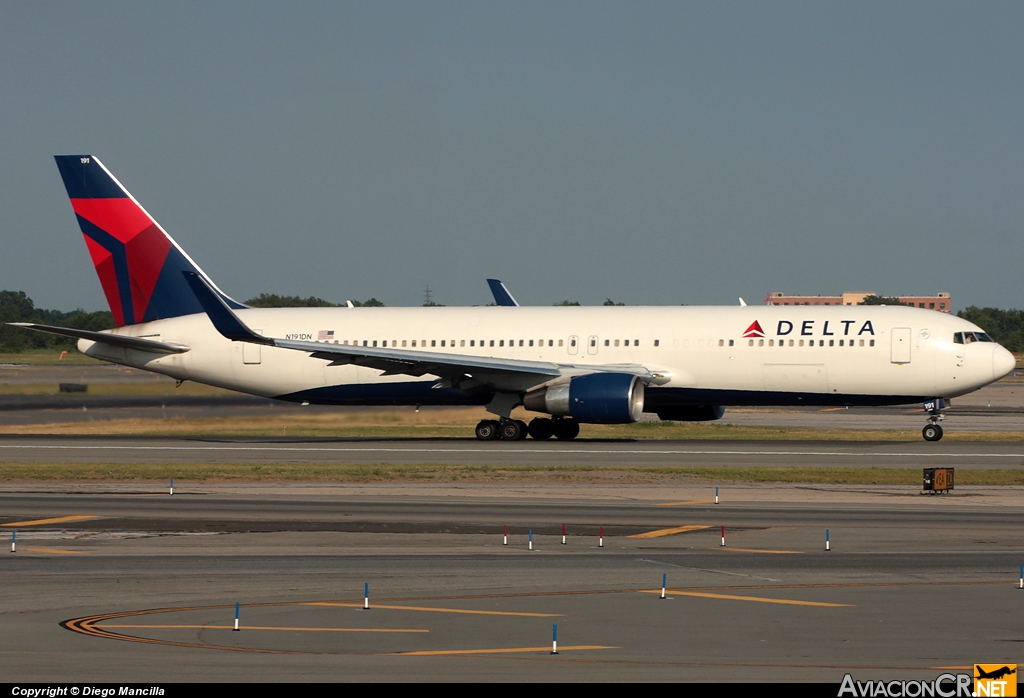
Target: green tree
272,300
371,303
567,303
609,301
21,304
16,306
881,300
1004,326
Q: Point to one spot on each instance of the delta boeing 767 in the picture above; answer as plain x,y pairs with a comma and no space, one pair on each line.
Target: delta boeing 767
575,365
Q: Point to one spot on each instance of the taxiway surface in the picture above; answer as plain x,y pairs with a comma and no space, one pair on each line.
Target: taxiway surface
118,582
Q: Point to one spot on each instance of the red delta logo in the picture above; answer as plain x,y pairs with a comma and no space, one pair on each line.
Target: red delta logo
754,330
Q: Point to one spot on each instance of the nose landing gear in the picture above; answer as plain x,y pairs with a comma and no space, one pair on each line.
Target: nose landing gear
932,431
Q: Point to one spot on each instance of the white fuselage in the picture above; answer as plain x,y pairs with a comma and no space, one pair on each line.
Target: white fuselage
807,354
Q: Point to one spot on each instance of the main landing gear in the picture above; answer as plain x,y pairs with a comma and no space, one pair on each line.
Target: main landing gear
516,429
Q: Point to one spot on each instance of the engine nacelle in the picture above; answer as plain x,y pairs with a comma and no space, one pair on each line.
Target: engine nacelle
597,398
692,413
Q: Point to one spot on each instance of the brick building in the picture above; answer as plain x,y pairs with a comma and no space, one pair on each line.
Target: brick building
941,301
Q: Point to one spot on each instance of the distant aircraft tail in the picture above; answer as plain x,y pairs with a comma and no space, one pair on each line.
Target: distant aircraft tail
140,266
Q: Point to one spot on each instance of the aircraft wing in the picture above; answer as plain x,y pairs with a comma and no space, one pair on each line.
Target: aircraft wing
116,340
503,374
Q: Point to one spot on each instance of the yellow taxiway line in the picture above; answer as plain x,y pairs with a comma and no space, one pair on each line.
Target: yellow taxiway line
669,531
43,522
502,650
759,599
265,627
431,609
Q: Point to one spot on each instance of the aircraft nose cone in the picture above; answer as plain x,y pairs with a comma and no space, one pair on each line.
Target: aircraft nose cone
1002,362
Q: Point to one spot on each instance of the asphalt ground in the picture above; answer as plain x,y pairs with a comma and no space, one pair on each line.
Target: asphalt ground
145,591
591,453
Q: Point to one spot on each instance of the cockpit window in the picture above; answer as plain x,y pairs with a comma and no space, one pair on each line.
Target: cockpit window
969,337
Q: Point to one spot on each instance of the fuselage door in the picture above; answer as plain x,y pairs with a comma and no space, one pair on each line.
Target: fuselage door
574,344
592,344
251,352
901,345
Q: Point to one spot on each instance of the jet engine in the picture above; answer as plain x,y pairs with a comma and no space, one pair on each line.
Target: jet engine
597,398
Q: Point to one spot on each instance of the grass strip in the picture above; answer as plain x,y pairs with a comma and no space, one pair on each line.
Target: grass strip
383,472
48,356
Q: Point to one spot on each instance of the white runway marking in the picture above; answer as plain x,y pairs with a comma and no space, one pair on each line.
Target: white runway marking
340,449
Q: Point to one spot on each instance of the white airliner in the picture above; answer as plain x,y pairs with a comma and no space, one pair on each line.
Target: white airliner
602,365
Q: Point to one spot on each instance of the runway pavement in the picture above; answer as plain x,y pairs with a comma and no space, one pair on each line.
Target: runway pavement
117,582
610,453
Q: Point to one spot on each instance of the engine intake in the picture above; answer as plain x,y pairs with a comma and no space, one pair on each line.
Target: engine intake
597,398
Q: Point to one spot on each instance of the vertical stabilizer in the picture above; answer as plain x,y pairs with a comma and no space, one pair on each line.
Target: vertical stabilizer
140,266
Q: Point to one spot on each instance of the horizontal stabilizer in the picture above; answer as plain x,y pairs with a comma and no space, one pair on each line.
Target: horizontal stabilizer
116,340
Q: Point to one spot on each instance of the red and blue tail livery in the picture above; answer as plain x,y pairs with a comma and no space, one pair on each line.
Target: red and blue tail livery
139,264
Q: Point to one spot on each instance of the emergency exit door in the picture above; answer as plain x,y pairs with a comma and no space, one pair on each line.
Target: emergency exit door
901,345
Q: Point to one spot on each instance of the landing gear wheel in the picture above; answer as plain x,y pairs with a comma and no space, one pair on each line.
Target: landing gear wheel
513,430
566,429
487,430
932,432
541,428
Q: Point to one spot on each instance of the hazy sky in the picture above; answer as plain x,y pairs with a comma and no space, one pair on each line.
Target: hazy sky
654,153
